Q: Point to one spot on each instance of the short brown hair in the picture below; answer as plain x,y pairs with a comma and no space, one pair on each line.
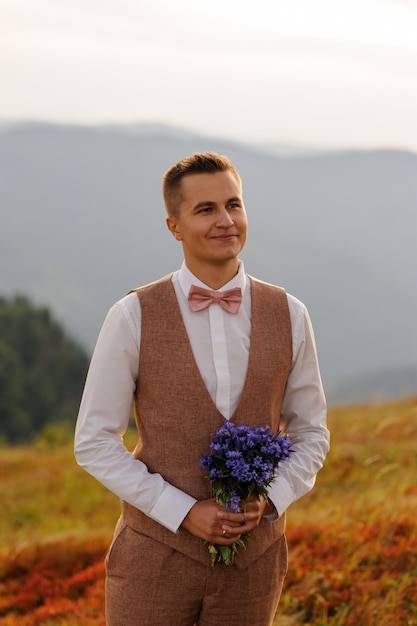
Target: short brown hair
198,163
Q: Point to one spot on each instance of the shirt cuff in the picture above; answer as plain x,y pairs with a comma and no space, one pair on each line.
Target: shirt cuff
171,508
272,517
281,496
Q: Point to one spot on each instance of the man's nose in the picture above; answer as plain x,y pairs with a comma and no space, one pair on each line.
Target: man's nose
224,218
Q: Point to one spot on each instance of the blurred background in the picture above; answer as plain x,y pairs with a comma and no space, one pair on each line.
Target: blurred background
315,103
319,75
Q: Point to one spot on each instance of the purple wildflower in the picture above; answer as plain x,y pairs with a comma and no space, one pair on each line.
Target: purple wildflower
241,464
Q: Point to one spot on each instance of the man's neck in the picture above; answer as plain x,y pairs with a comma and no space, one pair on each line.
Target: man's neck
215,276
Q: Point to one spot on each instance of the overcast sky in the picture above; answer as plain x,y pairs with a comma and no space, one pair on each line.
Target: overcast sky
322,73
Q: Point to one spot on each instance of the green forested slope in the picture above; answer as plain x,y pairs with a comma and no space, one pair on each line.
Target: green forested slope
42,370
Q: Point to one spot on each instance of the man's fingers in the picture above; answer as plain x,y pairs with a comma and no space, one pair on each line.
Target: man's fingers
228,538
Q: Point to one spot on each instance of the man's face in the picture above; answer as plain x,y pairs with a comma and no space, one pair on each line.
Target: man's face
212,221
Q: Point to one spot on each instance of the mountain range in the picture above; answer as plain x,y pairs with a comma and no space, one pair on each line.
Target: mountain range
83,222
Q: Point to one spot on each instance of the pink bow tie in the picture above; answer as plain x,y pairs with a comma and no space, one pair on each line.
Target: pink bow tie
200,298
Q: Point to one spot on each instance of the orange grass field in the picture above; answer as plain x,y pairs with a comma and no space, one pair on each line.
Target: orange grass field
352,541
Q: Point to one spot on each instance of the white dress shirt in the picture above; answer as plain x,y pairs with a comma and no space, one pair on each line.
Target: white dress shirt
220,343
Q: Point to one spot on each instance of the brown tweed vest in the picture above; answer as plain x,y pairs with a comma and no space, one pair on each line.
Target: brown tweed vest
176,417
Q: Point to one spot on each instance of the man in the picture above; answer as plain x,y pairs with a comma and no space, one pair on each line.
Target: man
189,365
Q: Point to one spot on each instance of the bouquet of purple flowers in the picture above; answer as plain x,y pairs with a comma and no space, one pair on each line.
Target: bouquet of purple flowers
241,464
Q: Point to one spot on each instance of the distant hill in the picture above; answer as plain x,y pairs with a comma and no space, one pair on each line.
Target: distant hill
83,222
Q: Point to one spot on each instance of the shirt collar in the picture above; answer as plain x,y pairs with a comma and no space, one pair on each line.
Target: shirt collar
187,278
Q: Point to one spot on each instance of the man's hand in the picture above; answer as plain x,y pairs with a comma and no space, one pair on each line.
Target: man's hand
211,522
203,521
249,519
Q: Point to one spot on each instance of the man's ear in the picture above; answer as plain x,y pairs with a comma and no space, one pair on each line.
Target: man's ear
173,228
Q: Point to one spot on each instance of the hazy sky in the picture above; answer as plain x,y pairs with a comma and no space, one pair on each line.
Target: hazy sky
325,73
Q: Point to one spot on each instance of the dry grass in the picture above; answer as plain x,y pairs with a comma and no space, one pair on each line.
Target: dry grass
352,541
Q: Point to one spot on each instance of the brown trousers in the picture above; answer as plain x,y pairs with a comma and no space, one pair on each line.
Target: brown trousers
150,584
